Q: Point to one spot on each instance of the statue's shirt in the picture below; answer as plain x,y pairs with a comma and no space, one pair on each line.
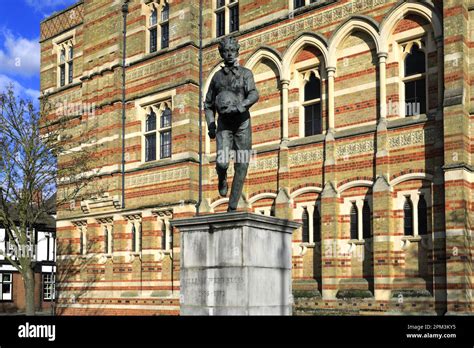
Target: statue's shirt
235,79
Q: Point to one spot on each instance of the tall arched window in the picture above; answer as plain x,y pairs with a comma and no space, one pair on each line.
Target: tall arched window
354,222
422,216
305,221
415,81
106,240
316,224
150,136
165,133
408,217
366,221
163,237
134,238
158,27
312,105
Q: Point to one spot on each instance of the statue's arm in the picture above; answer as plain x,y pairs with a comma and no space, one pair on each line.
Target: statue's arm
251,92
209,104
210,109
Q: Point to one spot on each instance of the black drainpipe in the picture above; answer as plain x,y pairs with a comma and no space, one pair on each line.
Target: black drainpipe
200,108
124,57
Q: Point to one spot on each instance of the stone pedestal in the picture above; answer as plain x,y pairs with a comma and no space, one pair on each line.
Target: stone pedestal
235,264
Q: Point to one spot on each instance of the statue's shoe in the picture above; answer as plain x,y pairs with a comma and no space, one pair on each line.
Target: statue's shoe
223,188
231,210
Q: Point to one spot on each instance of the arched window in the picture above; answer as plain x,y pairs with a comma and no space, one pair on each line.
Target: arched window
134,238
312,106
106,240
415,81
366,221
153,30
150,137
158,26
422,216
165,133
354,222
305,221
163,236
316,224
408,217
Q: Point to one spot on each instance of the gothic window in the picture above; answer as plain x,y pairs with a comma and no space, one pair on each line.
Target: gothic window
408,217
422,216
366,221
415,81
83,240
158,136
312,105
108,239
305,227
316,224
65,63
354,223
150,137
227,17
158,26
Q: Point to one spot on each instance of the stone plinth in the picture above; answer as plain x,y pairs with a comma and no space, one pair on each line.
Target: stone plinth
235,264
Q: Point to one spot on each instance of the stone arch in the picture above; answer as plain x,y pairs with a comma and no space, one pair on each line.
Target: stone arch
303,190
305,39
410,176
355,23
265,53
355,183
260,196
424,10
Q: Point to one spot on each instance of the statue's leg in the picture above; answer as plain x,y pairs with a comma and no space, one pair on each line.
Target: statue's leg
243,147
224,145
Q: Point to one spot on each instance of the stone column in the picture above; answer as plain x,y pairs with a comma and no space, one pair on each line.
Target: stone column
235,264
383,83
331,105
284,125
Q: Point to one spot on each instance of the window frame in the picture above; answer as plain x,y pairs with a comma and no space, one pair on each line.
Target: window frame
2,282
405,49
158,108
310,208
161,22
304,76
65,62
225,11
52,289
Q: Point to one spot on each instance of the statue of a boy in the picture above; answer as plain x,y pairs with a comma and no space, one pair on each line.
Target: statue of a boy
231,94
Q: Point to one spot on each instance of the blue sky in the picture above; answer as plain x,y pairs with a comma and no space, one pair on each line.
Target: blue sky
19,42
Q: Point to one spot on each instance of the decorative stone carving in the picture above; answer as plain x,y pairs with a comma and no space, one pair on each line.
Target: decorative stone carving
351,149
299,158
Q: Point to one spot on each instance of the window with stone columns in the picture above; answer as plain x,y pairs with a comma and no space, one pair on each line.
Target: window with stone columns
310,222
226,16
359,212
81,228
158,25
414,77
134,227
164,226
65,62
415,207
107,226
157,132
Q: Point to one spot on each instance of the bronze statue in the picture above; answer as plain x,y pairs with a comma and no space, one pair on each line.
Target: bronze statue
231,94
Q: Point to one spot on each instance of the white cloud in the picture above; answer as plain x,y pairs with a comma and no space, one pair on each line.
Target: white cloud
42,5
19,56
20,90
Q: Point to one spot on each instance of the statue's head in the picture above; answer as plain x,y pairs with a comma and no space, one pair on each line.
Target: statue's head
229,50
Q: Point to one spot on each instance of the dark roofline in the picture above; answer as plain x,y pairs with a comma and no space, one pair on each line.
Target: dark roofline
55,14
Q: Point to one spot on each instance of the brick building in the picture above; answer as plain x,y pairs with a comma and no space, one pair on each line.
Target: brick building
363,133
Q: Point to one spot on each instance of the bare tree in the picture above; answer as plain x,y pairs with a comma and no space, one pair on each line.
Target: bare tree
30,144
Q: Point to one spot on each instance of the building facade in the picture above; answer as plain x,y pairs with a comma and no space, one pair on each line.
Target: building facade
43,251
363,133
